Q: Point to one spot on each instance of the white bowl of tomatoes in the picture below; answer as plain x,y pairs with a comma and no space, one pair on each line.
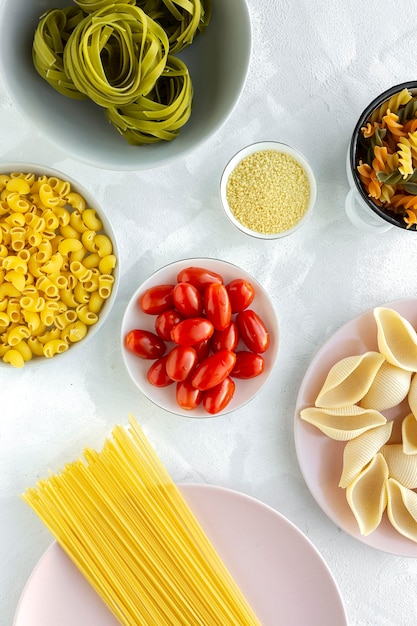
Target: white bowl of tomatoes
200,337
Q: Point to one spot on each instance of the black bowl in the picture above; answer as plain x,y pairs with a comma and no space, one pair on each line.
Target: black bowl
357,150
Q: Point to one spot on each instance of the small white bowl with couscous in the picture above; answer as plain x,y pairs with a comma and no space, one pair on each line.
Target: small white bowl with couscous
58,264
268,190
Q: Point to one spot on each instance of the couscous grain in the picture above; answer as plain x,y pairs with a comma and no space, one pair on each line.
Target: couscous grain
268,192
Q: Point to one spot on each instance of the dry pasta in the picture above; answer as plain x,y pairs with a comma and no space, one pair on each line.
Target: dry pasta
379,473
124,523
121,55
387,157
47,275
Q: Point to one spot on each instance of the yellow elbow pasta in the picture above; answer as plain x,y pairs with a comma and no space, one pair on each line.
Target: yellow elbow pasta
56,266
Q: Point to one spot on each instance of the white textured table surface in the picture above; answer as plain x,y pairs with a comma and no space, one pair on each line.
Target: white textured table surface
315,65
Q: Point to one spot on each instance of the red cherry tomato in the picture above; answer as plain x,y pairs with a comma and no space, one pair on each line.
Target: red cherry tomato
157,374
180,362
187,396
157,299
145,344
165,322
213,370
192,331
217,306
188,300
203,350
241,294
253,331
248,365
199,277
218,397
226,339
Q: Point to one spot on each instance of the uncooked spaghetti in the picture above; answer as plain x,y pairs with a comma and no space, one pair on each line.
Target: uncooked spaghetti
124,523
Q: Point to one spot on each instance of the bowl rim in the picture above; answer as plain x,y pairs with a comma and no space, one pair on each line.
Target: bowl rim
353,148
152,280
259,146
28,167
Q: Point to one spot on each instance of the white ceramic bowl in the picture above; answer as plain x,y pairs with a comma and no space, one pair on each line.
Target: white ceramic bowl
91,202
135,318
258,147
218,62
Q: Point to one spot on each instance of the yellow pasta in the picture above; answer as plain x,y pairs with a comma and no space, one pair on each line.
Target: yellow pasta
124,523
43,279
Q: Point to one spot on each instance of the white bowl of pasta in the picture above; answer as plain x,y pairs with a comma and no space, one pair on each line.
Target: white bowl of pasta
382,164
168,98
58,264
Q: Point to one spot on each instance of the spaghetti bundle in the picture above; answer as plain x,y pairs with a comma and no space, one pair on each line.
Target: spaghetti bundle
124,523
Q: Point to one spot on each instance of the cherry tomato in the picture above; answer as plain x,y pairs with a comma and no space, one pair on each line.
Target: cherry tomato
203,350
157,299
241,294
165,322
226,339
180,362
248,364
217,306
188,300
192,331
157,374
145,344
187,396
218,397
253,331
199,277
213,370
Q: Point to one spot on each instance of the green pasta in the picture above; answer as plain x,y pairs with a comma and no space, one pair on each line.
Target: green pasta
116,54
161,115
51,36
89,6
121,56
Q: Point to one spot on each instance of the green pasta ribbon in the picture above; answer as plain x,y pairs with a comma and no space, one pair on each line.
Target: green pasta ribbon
121,55
161,115
116,54
51,35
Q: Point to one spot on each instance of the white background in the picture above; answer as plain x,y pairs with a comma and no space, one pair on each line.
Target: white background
316,64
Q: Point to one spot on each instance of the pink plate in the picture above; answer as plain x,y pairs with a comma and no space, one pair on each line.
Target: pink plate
281,573
320,458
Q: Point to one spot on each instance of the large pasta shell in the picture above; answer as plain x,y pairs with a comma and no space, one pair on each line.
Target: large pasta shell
349,380
409,434
397,339
389,387
366,495
359,452
402,508
412,395
342,424
402,467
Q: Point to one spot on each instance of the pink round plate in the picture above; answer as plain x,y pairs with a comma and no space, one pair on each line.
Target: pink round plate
281,573
320,458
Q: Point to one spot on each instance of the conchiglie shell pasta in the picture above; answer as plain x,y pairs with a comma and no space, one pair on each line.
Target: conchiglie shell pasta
402,467
402,509
412,395
342,424
359,451
349,380
397,339
389,387
366,495
409,434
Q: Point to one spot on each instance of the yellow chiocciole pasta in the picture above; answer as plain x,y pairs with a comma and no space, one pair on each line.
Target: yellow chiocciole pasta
126,526
54,275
